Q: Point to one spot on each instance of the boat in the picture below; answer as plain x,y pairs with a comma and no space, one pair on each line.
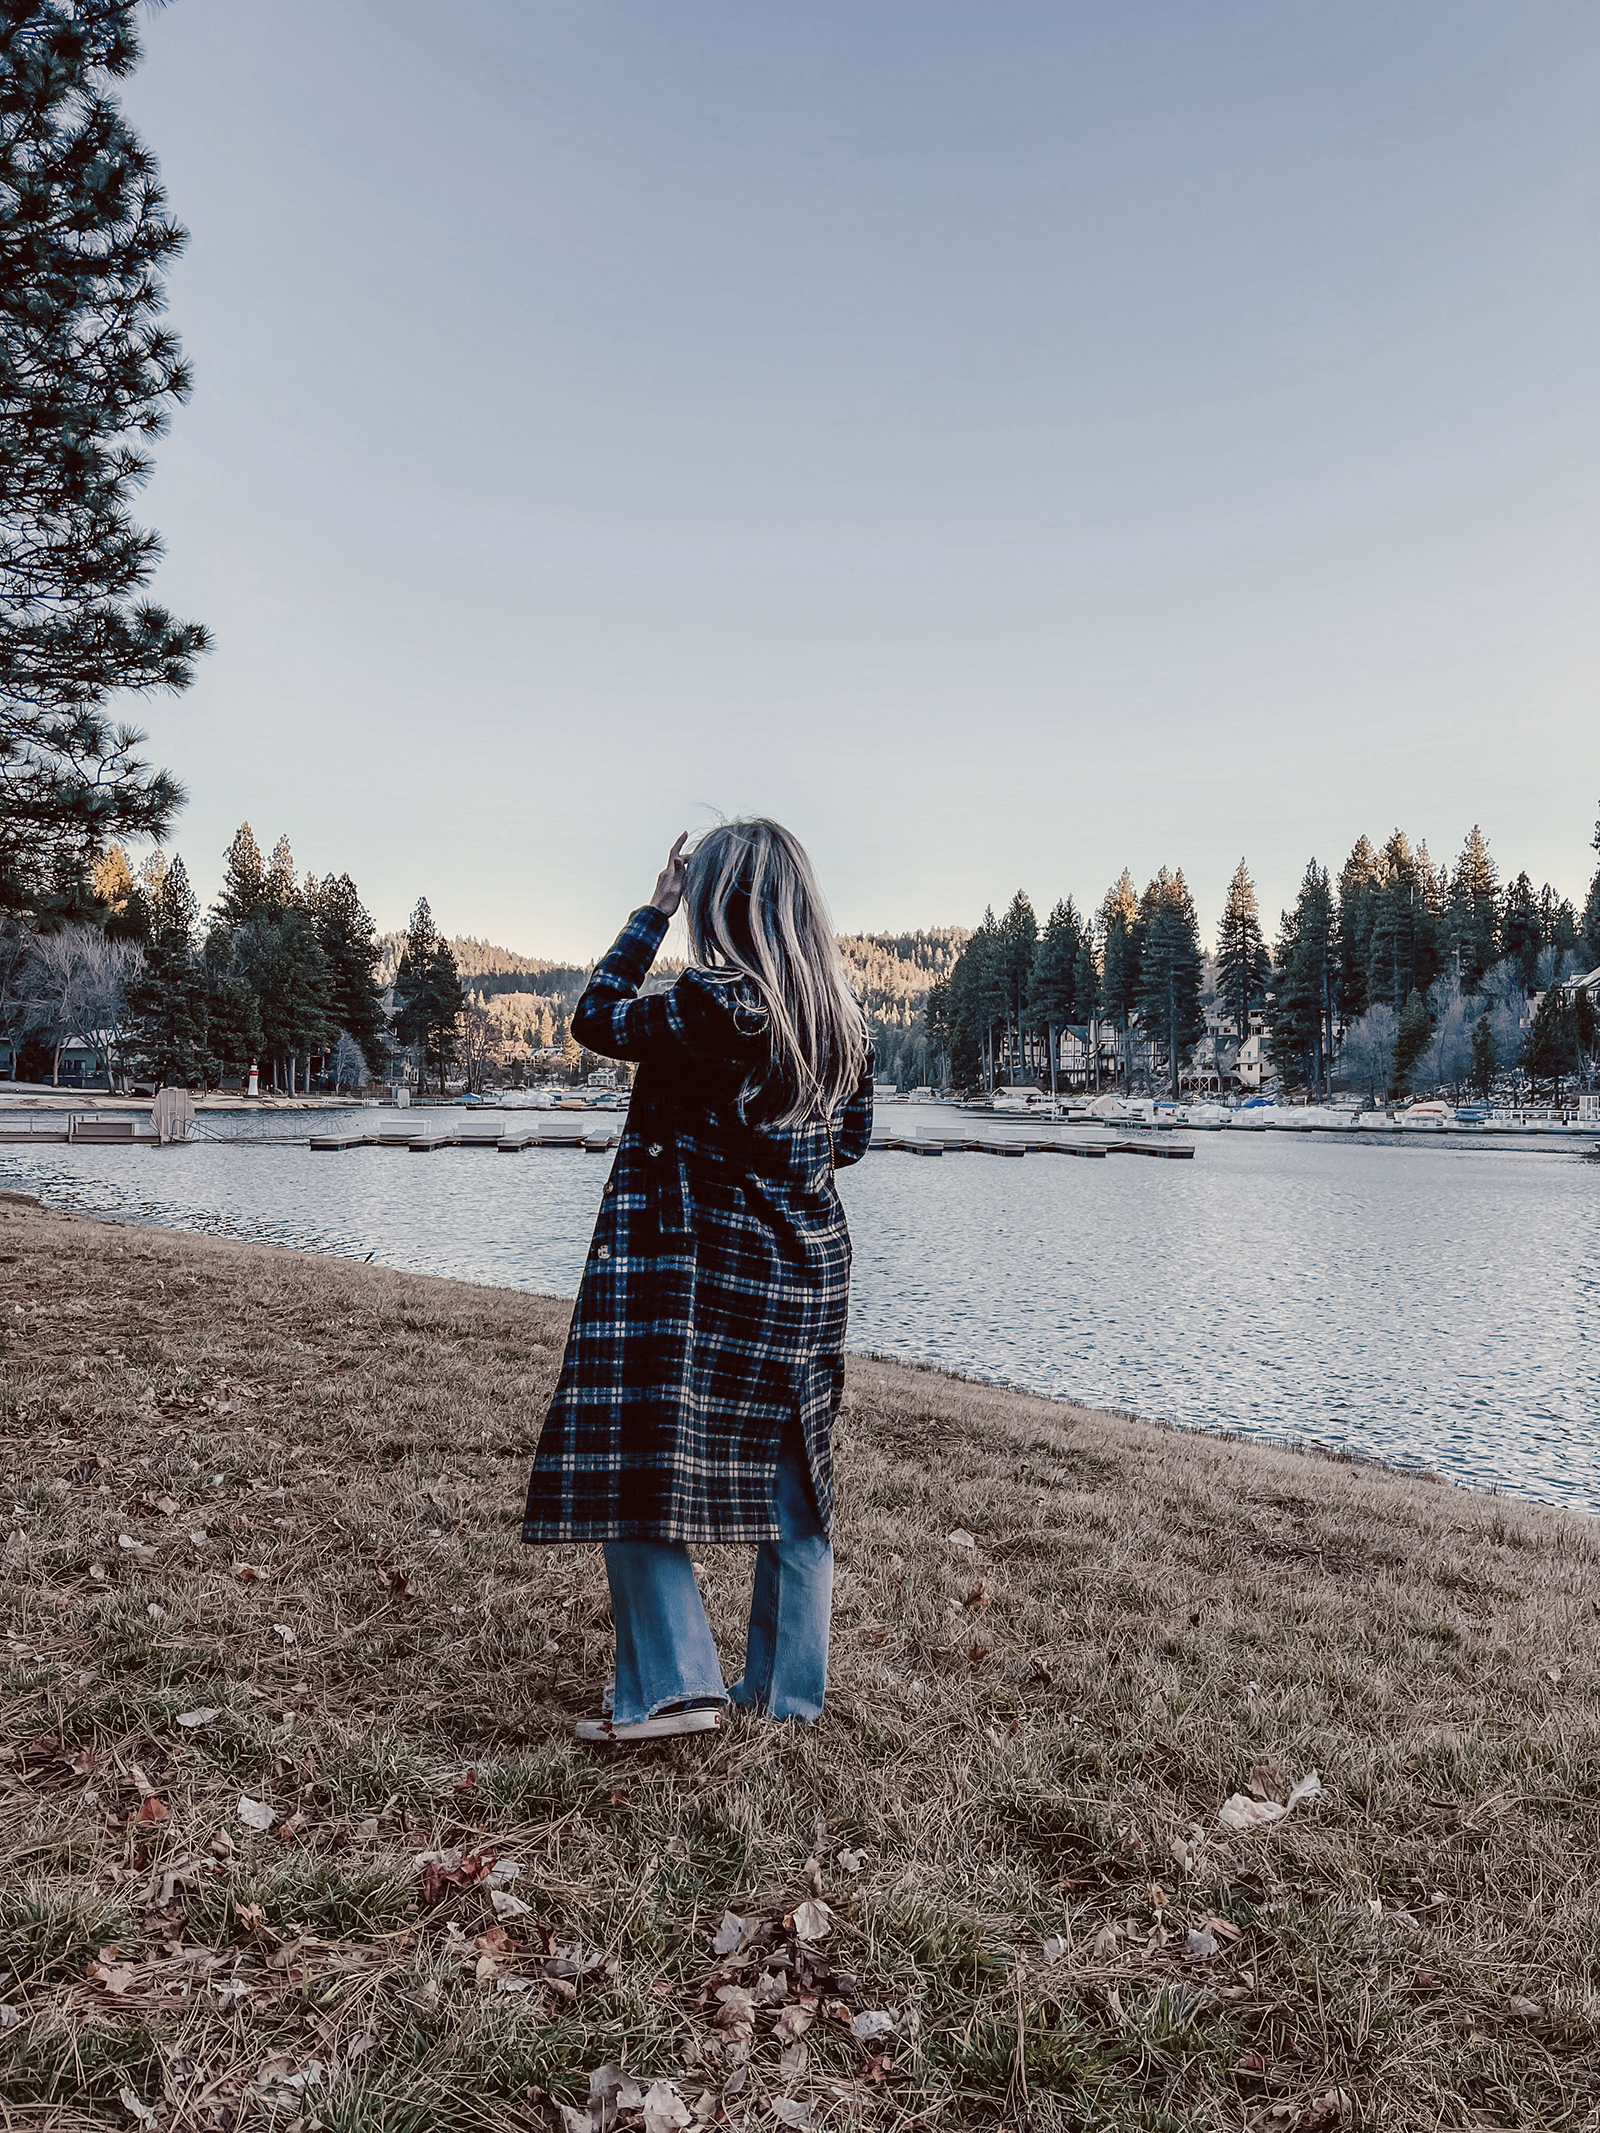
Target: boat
1430,1117
1024,1097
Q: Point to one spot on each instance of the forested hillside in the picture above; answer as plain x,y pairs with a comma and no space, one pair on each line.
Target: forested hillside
533,997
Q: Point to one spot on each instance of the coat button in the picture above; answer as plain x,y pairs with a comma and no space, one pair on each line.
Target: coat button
605,1251
654,1148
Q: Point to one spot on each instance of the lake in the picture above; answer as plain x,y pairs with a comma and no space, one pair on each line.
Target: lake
1434,1306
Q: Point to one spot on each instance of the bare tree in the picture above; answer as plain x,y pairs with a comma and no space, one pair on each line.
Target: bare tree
347,1063
1367,1054
76,987
480,1037
98,1003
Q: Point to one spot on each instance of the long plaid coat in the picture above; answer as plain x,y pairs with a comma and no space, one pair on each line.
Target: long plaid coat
712,1309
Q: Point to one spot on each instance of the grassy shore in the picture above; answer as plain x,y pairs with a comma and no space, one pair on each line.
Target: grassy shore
264,1550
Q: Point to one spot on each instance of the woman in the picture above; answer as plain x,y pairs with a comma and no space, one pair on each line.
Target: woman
703,1369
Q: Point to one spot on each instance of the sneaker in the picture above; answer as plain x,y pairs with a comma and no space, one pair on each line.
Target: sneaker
605,1732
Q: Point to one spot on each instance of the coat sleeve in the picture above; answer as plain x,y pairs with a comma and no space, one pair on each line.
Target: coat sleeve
850,1142
689,1021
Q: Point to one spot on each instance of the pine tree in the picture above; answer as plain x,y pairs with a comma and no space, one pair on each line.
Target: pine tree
1057,965
1170,972
243,896
167,1002
1520,932
1119,935
349,941
1559,933
1474,911
1304,982
279,889
1411,1041
1358,892
1017,943
1562,1043
936,1019
87,373
233,1018
1591,915
288,973
428,993
1243,965
1403,953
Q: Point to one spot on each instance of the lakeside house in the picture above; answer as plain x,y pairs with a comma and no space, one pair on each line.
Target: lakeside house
80,1064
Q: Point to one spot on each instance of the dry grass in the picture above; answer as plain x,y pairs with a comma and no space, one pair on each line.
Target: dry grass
1029,1743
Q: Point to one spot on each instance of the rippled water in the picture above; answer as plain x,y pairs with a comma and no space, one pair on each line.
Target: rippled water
1437,1306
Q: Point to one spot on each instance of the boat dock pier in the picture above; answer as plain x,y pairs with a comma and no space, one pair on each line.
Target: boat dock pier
1014,1141
424,1133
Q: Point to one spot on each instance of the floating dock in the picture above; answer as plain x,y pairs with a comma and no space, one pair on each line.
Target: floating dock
504,1136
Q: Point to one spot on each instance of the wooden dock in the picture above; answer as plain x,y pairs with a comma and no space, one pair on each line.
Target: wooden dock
1090,1151
501,1136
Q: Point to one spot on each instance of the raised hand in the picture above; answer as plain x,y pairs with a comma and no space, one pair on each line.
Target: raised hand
670,881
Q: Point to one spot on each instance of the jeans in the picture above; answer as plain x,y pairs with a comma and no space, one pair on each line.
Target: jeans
666,1654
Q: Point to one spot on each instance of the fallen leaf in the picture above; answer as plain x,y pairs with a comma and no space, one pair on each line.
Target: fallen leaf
282,1629
508,1906
789,2113
1265,1783
1529,2010
793,2023
732,1932
166,1505
811,1921
1200,1941
873,2023
255,1814
605,2085
736,2008
961,1538
134,2105
10,2016
852,1862
771,1989
1054,1948
664,2109
203,1717
252,1574
792,2063
114,1978
152,1810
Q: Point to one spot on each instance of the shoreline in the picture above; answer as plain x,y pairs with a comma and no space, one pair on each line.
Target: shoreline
265,1549
1297,1446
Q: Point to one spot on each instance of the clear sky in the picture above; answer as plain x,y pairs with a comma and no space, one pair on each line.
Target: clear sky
1005,443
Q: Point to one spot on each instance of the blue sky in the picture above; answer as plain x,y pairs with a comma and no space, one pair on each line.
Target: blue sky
1006,444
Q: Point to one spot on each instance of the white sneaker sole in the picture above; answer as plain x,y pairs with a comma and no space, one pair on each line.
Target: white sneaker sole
604,1731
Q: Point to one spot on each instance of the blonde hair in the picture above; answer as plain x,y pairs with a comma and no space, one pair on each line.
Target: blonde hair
755,912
